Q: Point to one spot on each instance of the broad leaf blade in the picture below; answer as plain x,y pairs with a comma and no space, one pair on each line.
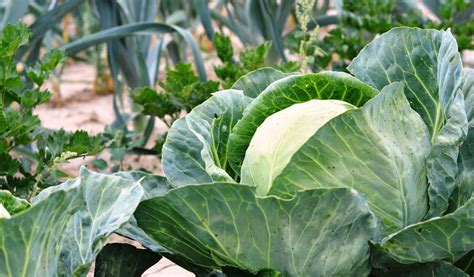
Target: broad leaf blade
428,63
123,260
442,238
255,82
286,92
442,163
216,225
465,179
31,240
468,91
109,202
379,150
152,185
196,146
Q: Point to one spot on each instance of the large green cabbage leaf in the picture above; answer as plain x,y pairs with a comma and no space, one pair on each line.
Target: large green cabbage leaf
451,236
254,82
317,233
30,241
442,238
109,202
428,63
66,227
286,92
195,150
153,185
465,179
468,91
379,150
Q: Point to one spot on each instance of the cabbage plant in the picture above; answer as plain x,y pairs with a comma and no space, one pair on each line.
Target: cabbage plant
328,173
65,228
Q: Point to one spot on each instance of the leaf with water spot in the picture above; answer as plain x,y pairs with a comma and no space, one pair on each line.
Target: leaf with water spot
317,233
428,63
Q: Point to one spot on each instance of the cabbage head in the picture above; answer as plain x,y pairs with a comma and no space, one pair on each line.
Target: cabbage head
281,135
330,173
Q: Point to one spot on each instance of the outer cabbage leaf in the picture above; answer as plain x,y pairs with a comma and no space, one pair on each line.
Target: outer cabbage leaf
195,150
442,238
428,63
468,91
109,202
153,185
465,179
254,82
379,150
281,135
286,92
317,233
443,160
30,241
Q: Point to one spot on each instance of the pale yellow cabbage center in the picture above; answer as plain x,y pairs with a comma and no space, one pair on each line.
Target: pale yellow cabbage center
281,135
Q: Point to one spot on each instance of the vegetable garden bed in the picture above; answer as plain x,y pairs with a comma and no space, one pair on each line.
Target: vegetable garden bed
267,171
